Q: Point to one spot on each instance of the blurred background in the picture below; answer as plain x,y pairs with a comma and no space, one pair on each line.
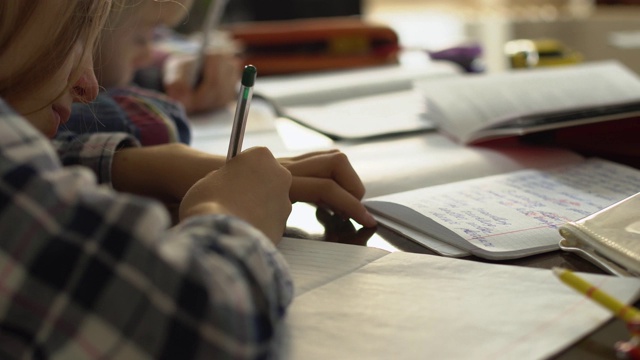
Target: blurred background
593,29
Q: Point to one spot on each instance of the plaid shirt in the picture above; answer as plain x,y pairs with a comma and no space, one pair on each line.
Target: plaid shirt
148,115
86,272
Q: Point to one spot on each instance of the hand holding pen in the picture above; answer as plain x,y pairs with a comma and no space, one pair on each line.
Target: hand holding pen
206,81
211,23
321,177
242,110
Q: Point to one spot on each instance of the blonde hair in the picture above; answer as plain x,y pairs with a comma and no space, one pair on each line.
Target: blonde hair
121,10
83,20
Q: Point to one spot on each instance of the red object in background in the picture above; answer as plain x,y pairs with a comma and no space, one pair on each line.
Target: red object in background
616,140
316,44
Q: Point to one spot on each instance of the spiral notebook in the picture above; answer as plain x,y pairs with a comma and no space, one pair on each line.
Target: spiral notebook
609,238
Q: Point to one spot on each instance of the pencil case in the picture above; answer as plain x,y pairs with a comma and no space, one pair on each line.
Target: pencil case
609,238
314,44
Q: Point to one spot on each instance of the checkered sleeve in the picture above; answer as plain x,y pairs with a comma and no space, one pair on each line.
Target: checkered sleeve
86,272
94,151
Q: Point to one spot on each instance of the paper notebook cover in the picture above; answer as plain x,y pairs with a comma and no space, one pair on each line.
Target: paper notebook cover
610,238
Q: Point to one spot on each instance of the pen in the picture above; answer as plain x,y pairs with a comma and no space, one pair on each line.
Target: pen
211,22
621,310
242,110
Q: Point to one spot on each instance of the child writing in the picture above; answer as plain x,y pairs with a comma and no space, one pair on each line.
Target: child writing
89,271
325,178
126,47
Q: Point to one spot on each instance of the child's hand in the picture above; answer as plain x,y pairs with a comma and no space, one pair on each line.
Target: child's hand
168,172
252,186
327,179
218,86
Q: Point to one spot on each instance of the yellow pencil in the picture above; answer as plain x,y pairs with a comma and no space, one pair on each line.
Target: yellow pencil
621,310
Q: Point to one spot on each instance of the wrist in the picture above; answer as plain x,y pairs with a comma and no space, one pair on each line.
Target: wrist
208,208
164,172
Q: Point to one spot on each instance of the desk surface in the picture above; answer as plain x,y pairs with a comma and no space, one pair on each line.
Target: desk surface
309,222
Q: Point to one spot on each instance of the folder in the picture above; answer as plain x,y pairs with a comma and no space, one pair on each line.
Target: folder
609,238
314,44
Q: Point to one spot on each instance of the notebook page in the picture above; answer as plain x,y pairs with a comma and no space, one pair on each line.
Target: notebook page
438,246
315,263
368,116
329,86
464,105
415,306
515,214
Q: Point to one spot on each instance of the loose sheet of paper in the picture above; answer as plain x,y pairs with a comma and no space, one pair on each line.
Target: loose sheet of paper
363,117
413,306
330,86
315,263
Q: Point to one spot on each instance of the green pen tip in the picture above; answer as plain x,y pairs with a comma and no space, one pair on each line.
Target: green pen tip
249,75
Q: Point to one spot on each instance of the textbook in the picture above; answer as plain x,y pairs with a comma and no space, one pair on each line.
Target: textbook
477,108
609,238
508,215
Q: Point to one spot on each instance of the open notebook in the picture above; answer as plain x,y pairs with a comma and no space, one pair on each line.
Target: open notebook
479,108
354,302
508,215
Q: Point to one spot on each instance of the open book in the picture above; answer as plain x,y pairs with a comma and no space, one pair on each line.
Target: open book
478,108
509,215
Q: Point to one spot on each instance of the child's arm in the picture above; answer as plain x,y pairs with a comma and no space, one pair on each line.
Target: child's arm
167,172
93,273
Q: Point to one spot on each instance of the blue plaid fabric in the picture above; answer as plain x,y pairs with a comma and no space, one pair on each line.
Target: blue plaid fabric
150,116
88,273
